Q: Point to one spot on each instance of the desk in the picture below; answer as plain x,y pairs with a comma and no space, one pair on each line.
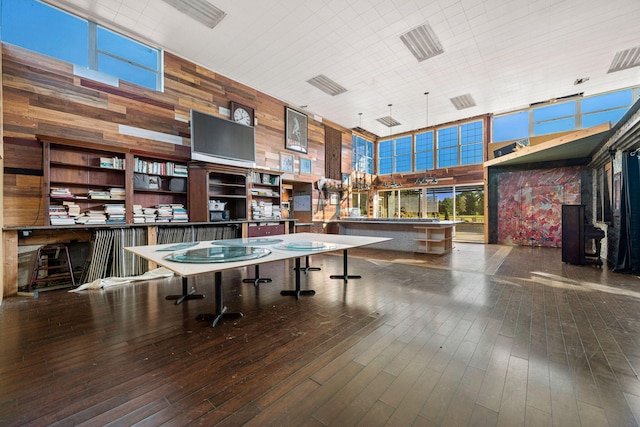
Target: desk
332,242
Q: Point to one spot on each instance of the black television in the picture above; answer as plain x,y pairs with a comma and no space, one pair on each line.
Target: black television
218,140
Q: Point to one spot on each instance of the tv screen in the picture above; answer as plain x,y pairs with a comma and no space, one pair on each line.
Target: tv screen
218,140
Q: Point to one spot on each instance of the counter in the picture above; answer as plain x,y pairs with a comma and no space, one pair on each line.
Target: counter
409,235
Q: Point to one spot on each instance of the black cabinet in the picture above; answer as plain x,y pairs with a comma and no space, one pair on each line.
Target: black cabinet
576,235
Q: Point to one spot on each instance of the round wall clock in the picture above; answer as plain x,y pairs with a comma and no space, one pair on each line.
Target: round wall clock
241,113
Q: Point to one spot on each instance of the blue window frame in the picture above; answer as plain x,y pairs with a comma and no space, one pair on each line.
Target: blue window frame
511,126
424,151
471,142
403,154
50,31
448,147
578,113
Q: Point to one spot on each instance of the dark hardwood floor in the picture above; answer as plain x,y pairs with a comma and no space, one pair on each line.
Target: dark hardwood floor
486,335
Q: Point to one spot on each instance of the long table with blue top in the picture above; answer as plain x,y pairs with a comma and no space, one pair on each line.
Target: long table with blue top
216,256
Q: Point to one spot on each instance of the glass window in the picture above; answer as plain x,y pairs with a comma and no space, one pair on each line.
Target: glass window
511,126
403,154
385,157
46,30
50,31
623,98
362,155
448,147
424,151
554,118
471,142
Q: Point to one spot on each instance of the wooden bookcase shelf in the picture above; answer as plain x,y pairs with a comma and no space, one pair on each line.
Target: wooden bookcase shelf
225,185
266,195
87,177
437,239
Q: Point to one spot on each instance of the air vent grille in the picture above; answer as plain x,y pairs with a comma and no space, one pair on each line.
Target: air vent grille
200,10
422,42
326,85
388,121
463,101
625,59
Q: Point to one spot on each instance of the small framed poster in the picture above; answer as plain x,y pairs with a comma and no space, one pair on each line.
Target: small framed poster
305,166
286,162
334,199
296,131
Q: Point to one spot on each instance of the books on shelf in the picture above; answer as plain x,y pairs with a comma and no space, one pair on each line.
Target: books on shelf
99,194
58,215
60,192
160,168
112,162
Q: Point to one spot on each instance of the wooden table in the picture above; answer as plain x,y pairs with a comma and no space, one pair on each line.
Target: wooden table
333,242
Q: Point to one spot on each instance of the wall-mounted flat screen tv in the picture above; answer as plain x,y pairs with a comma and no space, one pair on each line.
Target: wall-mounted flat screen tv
218,140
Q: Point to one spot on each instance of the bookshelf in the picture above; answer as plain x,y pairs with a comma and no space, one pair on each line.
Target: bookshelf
266,195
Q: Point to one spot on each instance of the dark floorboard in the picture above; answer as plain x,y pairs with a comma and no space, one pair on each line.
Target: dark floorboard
486,335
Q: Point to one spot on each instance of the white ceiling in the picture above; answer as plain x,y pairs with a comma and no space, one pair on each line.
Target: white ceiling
506,54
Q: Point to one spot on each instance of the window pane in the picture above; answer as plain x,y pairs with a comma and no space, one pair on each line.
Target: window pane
424,151
44,29
554,126
403,145
471,154
386,165
424,161
447,157
385,149
126,48
512,126
403,163
471,133
126,71
623,98
594,119
554,111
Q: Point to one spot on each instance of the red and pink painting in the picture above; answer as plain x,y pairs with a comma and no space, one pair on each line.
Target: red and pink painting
530,205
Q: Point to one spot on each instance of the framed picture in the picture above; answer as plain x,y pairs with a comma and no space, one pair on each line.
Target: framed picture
296,131
286,162
334,199
305,166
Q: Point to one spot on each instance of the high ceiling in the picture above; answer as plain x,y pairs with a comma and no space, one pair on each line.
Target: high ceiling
504,54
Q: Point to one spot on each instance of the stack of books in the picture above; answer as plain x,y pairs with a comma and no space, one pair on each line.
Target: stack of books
116,193
115,214
149,214
164,213
180,170
72,209
58,215
61,192
93,216
99,194
138,214
179,213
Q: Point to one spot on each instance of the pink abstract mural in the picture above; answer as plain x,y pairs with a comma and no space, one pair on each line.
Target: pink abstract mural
530,205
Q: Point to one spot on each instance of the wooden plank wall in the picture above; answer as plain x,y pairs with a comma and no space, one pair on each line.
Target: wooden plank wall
43,97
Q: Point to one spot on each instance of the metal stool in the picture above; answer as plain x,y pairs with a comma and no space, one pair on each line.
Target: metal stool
51,258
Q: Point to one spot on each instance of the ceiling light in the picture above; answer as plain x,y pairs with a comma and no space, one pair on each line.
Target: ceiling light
326,85
422,42
389,121
463,101
200,10
625,59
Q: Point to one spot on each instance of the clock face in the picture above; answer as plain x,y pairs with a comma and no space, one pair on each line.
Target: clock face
240,115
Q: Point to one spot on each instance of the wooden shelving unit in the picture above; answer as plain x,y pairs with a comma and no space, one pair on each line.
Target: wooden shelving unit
437,239
266,195
218,183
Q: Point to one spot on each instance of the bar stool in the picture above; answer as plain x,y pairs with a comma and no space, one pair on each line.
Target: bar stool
51,258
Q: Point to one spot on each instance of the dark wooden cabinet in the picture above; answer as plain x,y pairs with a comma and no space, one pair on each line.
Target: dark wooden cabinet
577,235
573,234
222,185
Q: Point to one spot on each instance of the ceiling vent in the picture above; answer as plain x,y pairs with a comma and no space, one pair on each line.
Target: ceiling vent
326,85
422,42
388,121
463,101
200,10
625,59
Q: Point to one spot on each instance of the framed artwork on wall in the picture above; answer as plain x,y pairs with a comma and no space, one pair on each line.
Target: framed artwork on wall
286,162
305,166
296,131
334,199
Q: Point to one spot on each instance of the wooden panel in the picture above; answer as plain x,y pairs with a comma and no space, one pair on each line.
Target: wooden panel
333,153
